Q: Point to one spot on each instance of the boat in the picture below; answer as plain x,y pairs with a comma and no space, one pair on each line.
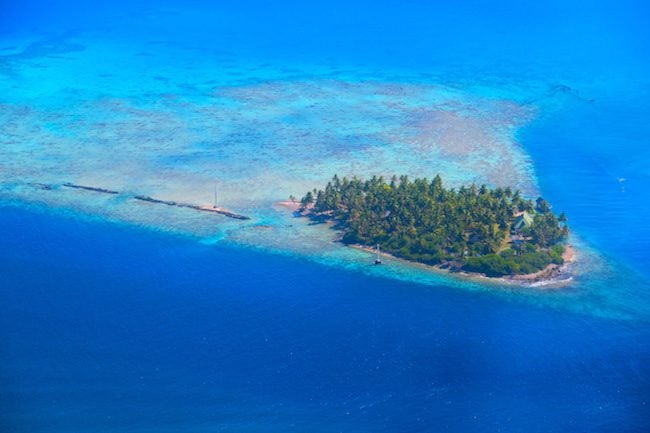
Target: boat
378,258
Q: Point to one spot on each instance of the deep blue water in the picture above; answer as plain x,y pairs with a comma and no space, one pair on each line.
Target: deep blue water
104,327
593,162
107,328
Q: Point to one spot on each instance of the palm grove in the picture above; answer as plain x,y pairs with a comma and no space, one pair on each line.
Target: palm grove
469,228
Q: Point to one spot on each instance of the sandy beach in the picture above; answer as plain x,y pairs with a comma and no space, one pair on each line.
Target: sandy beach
294,205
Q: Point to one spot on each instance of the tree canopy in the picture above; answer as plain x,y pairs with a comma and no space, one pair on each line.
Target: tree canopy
467,228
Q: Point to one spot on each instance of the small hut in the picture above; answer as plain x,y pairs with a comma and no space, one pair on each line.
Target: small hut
522,221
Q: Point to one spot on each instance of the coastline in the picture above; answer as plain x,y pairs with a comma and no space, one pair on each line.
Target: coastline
555,275
288,204
552,275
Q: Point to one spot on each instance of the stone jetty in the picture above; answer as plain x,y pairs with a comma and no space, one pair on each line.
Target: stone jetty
147,199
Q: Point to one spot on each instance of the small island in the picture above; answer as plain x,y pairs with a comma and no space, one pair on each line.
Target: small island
491,231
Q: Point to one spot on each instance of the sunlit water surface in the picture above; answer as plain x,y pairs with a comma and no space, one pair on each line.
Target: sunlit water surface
119,315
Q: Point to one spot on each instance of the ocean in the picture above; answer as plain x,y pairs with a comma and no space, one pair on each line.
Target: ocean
117,317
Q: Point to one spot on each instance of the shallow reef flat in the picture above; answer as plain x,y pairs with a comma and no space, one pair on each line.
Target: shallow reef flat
258,133
260,143
145,116
256,144
255,132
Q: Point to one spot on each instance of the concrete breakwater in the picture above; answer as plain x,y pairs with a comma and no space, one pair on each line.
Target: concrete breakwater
143,198
89,188
203,208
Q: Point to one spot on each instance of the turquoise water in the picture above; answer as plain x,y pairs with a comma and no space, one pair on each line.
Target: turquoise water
120,317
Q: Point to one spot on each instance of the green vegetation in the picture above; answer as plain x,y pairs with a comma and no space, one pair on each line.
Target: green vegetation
492,231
